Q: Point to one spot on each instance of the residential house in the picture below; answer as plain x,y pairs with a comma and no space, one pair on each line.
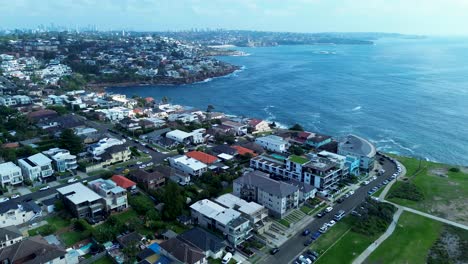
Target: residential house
273,143
230,222
36,167
212,246
183,252
124,182
238,128
188,165
148,180
100,147
259,126
244,151
82,202
115,196
255,212
114,154
361,148
36,250
195,137
202,157
10,174
18,213
9,235
224,148
42,115
62,159
279,197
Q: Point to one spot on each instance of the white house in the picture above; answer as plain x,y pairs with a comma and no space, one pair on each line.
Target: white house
188,165
194,137
36,166
62,159
273,143
10,173
14,213
115,196
9,235
100,147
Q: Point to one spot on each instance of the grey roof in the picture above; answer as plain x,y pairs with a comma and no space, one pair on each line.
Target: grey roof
13,205
183,251
224,149
12,232
203,239
33,250
303,187
262,181
358,145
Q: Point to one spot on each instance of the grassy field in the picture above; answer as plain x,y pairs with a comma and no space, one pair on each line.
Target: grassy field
410,242
104,260
340,244
54,223
445,192
72,237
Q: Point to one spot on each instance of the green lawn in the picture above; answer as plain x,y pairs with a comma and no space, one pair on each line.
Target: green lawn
298,159
104,260
58,222
331,236
443,196
54,223
284,222
306,210
347,248
410,242
377,193
72,237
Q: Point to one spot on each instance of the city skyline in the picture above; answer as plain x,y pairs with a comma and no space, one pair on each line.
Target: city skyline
432,17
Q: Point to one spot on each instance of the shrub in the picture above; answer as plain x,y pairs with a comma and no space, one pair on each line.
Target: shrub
374,219
454,169
406,190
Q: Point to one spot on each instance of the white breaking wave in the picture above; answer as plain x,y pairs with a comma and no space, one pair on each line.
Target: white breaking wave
357,108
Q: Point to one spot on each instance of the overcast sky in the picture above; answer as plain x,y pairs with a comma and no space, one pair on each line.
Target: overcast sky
431,17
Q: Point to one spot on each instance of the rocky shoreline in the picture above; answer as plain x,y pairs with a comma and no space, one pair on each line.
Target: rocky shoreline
163,80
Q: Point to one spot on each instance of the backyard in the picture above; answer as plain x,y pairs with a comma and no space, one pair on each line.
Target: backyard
444,187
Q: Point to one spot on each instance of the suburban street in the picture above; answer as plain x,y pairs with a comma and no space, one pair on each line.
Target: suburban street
295,245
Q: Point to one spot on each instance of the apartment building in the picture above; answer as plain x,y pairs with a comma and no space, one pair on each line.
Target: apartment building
82,202
188,165
253,211
361,148
273,143
279,197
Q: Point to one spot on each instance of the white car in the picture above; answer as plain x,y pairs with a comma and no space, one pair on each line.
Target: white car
45,188
366,182
351,192
15,196
328,209
139,163
374,178
323,229
2,200
331,223
149,164
72,180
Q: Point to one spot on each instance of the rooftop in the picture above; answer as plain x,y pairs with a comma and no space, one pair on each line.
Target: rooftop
202,156
298,159
358,145
78,193
264,182
192,163
234,202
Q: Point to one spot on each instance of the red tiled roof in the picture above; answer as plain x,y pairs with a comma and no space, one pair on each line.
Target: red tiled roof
255,122
202,157
243,151
303,134
149,99
41,113
11,145
122,181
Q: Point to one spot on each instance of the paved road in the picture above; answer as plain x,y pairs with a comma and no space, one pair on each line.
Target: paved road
295,244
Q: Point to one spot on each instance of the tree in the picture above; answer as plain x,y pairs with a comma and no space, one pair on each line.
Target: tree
70,141
141,204
173,201
296,150
296,127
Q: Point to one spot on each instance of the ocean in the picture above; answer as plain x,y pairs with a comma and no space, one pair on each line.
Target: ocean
409,97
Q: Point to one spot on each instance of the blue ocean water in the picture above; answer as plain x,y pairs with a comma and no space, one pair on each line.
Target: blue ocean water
409,97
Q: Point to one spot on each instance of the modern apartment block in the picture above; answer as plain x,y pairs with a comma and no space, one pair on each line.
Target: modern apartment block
115,196
230,222
62,159
188,165
37,166
273,143
10,174
253,211
82,202
279,197
353,145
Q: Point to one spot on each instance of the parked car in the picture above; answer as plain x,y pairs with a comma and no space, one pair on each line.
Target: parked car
328,209
316,235
4,199
306,232
273,251
230,249
321,214
72,180
351,192
15,196
323,229
340,200
308,242
313,253
227,258
139,163
45,188
331,223
366,182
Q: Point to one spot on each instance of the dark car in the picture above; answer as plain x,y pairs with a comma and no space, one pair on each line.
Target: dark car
230,249
273,251
340,200
308,242
313,253
306,232
316,235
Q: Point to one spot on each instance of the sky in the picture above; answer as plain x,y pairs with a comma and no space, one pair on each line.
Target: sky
428,17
